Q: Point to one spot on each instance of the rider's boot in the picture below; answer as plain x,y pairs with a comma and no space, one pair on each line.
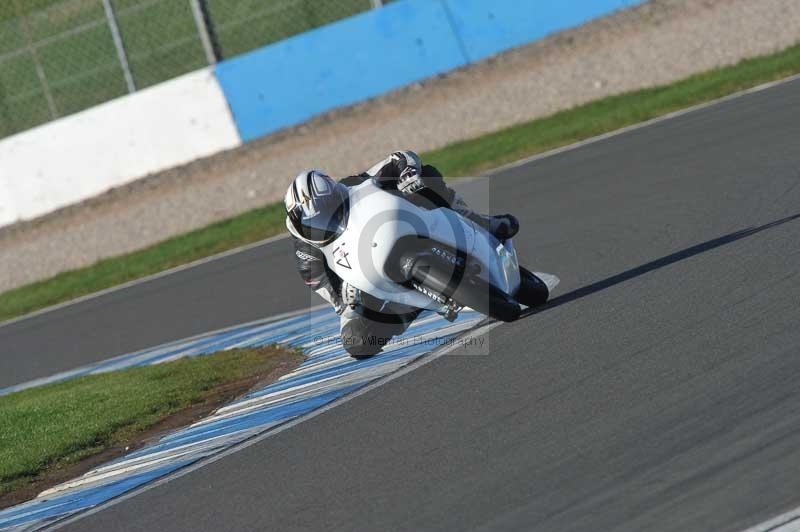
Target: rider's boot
502,226
411,183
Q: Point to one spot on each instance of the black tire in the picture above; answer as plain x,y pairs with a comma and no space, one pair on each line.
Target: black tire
471,292
532,290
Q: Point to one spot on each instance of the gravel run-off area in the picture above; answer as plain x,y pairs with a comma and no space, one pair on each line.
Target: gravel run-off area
653,44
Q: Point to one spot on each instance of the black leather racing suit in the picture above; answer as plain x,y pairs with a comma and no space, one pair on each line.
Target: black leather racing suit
368,326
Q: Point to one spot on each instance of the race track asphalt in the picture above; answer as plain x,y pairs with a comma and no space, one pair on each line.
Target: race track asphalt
658,391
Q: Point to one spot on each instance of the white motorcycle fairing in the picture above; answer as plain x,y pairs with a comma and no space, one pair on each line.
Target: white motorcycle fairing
378,220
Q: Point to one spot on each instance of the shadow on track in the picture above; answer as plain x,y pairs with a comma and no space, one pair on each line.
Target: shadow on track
654,265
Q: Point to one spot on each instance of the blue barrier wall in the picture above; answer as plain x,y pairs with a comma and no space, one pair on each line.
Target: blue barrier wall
487,27
288,82
345,62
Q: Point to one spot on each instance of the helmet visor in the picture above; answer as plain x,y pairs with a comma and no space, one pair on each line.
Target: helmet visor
326,221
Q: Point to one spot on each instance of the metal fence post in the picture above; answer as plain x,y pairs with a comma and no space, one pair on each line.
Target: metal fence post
205,27
119,45
48,95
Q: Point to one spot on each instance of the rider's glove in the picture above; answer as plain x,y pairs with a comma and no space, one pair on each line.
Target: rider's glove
410,181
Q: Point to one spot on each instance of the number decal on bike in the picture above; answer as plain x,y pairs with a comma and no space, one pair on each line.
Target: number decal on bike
342,259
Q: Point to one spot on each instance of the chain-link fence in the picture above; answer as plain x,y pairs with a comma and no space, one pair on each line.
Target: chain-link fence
61,56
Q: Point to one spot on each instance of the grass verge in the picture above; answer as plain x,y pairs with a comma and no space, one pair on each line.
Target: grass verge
48,431
609,114
459,159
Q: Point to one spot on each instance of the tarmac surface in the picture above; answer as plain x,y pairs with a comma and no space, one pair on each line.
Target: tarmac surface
655,43
657,391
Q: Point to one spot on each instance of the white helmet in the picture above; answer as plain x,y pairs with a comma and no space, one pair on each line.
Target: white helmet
316,207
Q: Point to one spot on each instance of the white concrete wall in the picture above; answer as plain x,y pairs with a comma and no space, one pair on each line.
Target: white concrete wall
80,156
8,211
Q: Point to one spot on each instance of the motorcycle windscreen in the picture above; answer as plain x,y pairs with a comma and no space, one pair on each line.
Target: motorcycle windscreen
323,225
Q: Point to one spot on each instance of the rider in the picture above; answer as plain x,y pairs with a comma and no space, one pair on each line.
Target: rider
314,205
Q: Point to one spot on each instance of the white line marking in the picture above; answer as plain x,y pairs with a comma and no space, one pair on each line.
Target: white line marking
786,522
424,359
127,359
782,521
521,162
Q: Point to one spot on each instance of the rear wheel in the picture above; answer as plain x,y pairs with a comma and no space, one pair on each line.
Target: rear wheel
532,290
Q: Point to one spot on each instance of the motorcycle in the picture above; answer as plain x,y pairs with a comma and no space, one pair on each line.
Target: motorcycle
430,258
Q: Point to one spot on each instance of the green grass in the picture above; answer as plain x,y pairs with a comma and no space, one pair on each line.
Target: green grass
76,51
460,159
609,114
59,424
243,25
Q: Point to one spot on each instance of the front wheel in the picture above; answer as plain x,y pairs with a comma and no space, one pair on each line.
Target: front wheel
532,290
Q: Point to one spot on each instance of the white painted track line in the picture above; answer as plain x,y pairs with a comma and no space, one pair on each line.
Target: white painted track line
786,522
